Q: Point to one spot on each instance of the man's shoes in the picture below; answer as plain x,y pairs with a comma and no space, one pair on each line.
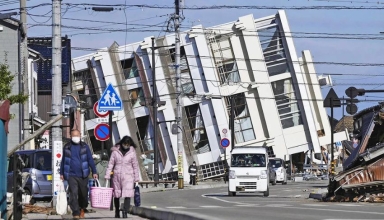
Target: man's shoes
82,214
76,217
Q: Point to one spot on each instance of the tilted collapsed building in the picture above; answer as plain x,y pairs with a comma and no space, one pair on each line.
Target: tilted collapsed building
278,101
363,169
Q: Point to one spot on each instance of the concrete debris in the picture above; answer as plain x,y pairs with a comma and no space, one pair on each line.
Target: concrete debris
373,198
38,209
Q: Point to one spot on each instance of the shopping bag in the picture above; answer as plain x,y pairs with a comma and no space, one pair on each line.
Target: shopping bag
61,205
137,196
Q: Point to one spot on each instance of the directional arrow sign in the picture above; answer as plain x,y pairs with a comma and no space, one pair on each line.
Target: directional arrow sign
332,96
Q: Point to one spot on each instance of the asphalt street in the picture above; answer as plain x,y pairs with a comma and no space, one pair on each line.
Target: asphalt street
285,202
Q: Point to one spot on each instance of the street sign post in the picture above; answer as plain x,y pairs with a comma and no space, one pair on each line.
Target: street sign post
225,142
99,113
110,100
331,101
101,132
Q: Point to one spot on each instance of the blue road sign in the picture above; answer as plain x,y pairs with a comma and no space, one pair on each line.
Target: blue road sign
224,142
101,132
110,100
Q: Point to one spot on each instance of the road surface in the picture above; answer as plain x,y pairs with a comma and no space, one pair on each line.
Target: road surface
285,202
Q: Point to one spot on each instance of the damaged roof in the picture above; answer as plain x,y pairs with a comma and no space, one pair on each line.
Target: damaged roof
345,122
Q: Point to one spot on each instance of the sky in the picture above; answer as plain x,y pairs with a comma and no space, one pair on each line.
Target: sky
343,48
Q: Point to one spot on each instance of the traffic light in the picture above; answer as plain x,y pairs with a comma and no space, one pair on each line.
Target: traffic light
18,165
352,92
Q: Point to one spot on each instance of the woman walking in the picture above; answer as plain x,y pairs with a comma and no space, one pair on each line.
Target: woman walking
125,167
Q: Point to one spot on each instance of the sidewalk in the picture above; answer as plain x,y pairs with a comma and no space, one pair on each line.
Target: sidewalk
107,214
99,214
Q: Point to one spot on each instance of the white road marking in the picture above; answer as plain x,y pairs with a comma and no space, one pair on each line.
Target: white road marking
211,196
176,207
335,210
277,205
210,206
248,205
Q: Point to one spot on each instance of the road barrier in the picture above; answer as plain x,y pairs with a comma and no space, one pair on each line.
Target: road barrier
162,214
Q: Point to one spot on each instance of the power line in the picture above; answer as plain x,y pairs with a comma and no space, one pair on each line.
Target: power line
134,29
216,7
212,7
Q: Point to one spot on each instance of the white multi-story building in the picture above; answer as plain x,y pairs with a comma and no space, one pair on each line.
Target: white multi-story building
276,94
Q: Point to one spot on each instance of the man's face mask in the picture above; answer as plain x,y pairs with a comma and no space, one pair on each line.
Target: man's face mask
76,140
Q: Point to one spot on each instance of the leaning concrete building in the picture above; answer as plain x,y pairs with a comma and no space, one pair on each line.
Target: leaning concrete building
277,94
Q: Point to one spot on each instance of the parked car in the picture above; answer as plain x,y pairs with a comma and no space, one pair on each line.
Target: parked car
39,164
272,174
278,165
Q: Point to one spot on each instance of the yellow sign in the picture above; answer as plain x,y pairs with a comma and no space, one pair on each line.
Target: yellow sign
49,177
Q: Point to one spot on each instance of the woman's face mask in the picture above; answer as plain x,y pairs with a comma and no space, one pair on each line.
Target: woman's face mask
125,146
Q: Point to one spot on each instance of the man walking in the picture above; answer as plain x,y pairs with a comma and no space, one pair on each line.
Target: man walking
192,173
75,168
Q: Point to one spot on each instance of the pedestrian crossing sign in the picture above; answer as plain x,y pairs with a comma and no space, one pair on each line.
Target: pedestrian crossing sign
110,100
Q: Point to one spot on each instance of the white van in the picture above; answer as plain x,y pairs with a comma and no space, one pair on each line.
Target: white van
248,170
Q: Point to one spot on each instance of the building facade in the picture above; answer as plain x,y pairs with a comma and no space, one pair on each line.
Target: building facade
277,96
10,37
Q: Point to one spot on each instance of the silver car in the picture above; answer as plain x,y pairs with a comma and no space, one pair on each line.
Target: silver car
39,164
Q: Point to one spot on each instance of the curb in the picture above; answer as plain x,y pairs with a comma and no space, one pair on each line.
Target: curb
154,189
162,214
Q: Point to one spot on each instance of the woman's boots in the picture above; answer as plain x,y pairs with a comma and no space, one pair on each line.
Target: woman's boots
117,207
124,210
127,203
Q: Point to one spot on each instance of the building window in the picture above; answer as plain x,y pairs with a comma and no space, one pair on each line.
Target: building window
88,95
136,96
197,129
145,143
243,124
129,68
273,50
186,81
286,103
224,60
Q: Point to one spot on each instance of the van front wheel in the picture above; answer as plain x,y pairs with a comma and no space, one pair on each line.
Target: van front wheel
266,193
231,193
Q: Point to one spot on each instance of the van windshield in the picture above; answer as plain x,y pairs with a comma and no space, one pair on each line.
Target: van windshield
248,160
275,163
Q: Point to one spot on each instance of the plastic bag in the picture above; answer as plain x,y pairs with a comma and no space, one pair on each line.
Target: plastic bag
61,205
137,196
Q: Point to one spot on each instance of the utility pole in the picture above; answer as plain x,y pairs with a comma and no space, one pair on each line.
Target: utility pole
57,142
24,70
154,108
180,147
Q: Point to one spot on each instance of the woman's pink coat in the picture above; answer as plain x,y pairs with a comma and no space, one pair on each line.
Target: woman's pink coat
125,172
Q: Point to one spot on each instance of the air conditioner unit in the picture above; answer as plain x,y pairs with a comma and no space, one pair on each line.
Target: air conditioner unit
325,80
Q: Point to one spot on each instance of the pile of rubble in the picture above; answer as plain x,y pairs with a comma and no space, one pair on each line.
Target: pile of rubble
372,198
38,209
